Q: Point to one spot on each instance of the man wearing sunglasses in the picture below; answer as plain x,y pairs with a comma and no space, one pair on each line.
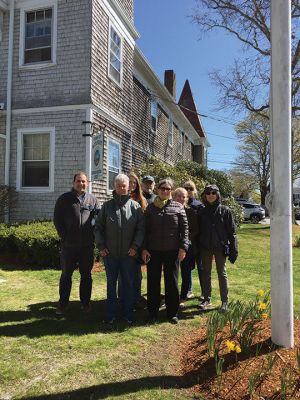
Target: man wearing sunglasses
217,237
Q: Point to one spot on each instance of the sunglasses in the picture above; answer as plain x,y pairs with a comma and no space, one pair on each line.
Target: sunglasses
189,189
210,192
164,189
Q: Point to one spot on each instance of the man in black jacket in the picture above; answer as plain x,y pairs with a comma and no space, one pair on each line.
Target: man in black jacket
217,237
148,184
73,219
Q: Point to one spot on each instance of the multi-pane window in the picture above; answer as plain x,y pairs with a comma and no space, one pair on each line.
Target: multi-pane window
114,162
170,133
38,36
115,61
180,143
35,160
153,115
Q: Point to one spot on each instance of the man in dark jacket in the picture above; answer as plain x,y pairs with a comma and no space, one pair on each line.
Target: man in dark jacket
119,233
74,215
217,237
148,184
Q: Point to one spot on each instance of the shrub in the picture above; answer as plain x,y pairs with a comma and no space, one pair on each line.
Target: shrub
297,241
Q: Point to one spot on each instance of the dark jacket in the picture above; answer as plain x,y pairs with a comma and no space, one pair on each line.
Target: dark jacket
216,228
166,228
73,219
194,203
149,197
192,218
120,226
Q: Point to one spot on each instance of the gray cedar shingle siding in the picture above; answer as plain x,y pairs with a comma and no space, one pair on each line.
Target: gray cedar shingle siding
128,8
104,91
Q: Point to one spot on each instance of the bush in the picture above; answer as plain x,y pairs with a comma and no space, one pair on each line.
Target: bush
297,241
36,243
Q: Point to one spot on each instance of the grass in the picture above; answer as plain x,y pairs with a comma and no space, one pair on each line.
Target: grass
78,357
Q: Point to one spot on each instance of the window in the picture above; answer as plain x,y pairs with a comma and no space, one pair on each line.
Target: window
170,133
38,34
114,162
35,159
115,55
153,116
180,143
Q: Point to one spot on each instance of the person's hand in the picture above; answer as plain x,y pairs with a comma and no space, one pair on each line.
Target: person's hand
104,252
131,252
146,256
181,255
232,256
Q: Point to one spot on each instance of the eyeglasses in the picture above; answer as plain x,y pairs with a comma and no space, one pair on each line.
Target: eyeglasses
210,192
189,189
164,189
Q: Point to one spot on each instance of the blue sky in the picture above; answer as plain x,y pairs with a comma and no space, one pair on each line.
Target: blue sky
169,40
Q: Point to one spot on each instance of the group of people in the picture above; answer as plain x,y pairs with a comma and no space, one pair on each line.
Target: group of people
167,229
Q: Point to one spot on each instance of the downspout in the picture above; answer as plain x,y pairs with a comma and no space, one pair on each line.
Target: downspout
8,96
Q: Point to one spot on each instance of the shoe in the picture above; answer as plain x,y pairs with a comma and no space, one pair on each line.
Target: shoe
86,308
174,320
181,305
190,295
162,304
61,309
201,298
224,306
205,304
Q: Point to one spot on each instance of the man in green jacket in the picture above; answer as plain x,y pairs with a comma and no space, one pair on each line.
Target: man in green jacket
119,233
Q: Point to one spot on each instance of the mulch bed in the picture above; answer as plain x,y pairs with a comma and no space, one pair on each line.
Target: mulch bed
198,369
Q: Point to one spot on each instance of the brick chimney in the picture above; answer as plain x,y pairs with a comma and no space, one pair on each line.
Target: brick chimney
170,82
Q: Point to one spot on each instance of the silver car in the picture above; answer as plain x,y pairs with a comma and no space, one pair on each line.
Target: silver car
253,212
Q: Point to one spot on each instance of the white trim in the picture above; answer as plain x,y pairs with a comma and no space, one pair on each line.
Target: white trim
117,16
3,5
112,139
105,113
170,132
32,5
2,136
88,146
20,134
1,23
119,84
181,141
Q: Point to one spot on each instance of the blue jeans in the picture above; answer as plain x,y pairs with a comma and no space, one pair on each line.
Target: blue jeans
124,267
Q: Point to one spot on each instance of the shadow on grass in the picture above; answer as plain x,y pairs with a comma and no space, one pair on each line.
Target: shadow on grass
120,388
40,320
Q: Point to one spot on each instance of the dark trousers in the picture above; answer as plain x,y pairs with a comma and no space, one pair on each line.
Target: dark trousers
186,267
207,256
165,260
70,258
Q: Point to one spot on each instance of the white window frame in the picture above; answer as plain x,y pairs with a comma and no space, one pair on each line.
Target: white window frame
181,142
111,139
120,84
170,133
20,136
34,5
152,102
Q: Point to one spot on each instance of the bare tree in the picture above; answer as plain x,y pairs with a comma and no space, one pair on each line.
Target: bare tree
244,86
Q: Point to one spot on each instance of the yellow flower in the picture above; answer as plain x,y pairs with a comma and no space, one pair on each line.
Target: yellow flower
261,292
237,349
230,345
262,306
264,315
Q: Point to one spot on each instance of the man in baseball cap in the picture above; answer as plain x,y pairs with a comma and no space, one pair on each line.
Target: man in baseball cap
148,184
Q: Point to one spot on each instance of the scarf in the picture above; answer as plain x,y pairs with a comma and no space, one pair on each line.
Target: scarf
160,203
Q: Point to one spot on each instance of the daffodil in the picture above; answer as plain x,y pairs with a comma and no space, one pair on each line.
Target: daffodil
230,345
261,292
237,349
262,306
264,315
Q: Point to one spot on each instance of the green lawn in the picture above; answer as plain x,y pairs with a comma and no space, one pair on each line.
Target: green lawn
78,357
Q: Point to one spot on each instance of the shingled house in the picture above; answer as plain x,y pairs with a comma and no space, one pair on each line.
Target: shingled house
77,94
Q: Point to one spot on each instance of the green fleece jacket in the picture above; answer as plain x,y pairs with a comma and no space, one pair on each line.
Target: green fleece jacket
119,226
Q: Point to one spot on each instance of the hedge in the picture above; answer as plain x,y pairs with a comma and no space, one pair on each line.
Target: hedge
36,244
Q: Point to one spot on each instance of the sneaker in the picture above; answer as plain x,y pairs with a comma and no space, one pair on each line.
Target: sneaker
201,298
190,295
224,306
205,304
61,309
174,320
181,305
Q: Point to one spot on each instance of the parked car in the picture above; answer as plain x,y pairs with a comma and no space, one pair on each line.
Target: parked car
253,212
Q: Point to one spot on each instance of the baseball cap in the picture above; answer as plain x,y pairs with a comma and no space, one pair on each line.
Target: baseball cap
147,178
